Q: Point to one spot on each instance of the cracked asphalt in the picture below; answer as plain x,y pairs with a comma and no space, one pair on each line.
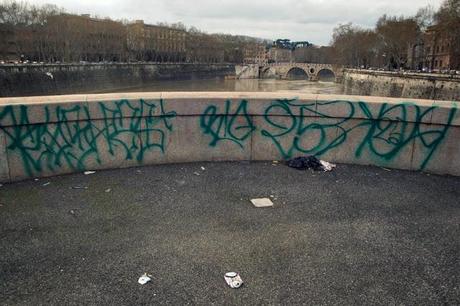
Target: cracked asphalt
357,235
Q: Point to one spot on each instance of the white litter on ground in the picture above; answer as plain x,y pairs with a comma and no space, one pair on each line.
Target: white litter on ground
89,172
233,279
327,165
203,168
144,279
46,184
262,202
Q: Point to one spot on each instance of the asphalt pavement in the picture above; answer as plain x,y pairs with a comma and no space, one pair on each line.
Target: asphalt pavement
355,236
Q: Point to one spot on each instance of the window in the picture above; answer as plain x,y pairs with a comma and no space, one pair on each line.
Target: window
440,63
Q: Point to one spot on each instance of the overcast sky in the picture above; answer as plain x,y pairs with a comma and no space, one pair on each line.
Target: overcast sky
311,20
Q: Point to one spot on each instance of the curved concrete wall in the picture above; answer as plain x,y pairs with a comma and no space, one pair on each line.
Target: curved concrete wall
42,136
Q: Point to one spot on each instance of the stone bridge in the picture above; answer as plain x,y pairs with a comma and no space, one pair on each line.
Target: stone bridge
304,71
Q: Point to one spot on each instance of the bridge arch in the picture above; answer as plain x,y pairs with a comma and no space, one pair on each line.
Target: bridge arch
297,73
267,73
326,75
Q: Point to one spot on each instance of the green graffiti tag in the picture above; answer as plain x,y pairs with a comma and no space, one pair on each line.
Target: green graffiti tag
234,126
71,137
312,129
82,136
299,128
391,130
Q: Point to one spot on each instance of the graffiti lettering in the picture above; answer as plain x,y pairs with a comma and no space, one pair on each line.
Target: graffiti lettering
386,133
234,126
130,128
72,137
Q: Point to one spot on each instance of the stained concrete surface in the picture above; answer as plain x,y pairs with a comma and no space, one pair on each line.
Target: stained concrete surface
357,235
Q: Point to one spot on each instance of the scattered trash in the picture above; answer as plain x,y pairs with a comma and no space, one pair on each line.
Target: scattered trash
144,279
262,202
50,75
79,187
304,163
272,196
138,171
196,173
108,190
310,162
72,212
275,162
46,184
89,172
233,279
327,165
36,179
386,169
203,168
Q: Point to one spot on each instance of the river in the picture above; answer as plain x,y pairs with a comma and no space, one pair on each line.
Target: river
218,84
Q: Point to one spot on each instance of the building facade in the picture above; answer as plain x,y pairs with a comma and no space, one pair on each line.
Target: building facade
155,43
255,54
81,38
435,50
280,55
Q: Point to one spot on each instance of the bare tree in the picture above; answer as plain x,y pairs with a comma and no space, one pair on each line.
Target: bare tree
354,46
396,35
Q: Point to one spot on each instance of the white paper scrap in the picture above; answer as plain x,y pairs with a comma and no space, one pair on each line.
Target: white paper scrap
262,202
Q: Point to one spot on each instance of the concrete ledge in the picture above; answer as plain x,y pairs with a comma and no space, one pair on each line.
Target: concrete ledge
43,136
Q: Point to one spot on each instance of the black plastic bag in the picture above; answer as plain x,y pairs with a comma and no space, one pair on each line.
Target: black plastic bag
304,163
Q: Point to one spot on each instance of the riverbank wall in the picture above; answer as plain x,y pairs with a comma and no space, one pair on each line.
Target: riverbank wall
53,79
401,84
